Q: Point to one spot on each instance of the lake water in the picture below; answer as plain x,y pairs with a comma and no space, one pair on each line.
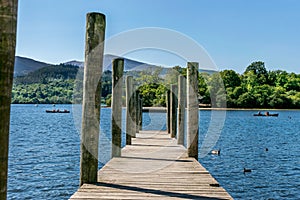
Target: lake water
45,150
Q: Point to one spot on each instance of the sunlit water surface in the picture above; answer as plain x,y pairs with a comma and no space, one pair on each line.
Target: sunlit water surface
45,150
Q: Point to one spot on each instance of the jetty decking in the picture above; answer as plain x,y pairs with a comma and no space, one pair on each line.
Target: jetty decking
153,167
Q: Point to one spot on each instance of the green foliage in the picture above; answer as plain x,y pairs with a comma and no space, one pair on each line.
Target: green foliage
255,88
230,78
56,91
49,73
108,100
54,85
173,73
153,94
259,70
216,90
150,75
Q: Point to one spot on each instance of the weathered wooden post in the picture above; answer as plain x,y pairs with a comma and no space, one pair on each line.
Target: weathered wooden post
8,28
134,110
129,109
173,110
141,112
116,117
192,109
94,45
168,111
137,103
181,109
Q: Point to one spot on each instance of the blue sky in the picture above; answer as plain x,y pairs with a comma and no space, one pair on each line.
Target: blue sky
233,32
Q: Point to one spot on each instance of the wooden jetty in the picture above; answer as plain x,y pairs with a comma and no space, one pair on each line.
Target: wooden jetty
153,167
153,164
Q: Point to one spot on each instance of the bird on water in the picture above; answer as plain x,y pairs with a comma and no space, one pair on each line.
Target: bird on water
216,152
247,170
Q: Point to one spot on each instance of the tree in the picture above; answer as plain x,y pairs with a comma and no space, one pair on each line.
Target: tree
149,93
259,69
202,85
294,96
217,90
262,95
172,75
277,78
150,75
279,99
293,82
8,26
230,78
246,100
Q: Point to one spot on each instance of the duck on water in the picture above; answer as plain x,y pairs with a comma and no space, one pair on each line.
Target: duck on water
216,151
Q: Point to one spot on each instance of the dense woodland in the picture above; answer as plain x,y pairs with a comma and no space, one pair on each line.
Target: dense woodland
255,88
58,84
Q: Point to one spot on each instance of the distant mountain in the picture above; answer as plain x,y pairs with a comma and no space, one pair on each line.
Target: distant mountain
129,64
25,65
208,71
75,63
48,73
107,63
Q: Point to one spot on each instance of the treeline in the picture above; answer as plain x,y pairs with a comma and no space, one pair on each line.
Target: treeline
57,84
256,87
47,74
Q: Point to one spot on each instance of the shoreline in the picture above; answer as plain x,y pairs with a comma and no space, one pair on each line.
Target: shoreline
164,108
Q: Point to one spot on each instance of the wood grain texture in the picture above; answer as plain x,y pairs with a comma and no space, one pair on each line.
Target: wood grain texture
153,167
93,65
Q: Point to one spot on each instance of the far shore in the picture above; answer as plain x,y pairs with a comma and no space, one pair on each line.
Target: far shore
201,108
221,109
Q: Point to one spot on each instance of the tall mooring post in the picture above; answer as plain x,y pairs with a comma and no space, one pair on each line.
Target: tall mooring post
137,102
181,109
94,46
141,112
116,117
192,109
8,29
134,110
173,110
129,109
168,111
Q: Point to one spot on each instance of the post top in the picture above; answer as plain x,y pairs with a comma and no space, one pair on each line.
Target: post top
118,59
96,13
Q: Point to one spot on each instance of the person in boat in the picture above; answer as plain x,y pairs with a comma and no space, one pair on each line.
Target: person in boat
267,113
259,113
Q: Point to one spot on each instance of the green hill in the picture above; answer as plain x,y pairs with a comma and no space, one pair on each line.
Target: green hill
46,74
24,65
55,84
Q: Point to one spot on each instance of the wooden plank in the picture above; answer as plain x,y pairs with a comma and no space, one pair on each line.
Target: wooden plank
153,167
